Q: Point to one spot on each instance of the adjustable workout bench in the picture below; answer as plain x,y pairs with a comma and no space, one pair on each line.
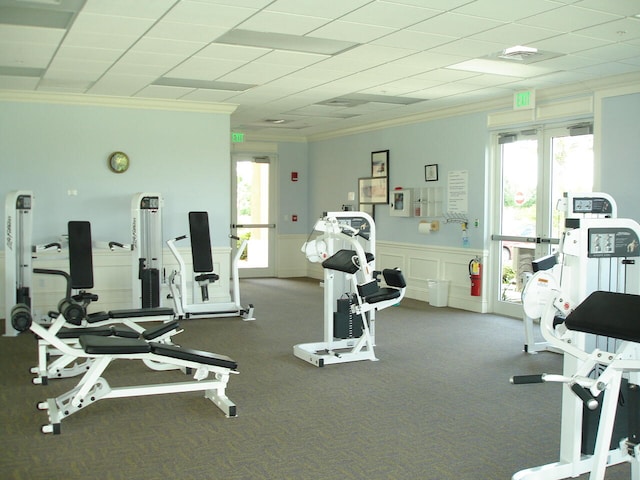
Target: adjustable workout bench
103,350
612,315
73,320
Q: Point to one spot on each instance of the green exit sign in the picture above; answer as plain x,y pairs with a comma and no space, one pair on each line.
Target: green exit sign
237,137
524,100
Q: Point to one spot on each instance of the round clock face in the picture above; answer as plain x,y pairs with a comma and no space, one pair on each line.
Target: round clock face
118,162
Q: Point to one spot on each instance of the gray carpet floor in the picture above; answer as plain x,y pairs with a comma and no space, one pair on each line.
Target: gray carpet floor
437,405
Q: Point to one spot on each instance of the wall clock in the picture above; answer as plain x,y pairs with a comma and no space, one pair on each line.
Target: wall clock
118,162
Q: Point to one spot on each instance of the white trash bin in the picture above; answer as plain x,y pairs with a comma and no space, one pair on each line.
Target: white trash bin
438,292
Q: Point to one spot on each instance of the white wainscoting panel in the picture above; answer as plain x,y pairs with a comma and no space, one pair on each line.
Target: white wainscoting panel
291,262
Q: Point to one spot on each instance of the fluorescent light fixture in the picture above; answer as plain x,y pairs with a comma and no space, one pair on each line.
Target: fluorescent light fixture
355,99
209,85
21,72
282,41
499,67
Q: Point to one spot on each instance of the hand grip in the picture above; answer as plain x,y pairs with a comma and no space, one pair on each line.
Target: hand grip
584,395
521,379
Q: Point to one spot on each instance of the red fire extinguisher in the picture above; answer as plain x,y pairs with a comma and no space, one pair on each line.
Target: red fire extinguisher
475,274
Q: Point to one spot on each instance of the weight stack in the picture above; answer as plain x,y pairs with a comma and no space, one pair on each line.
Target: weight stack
150,278
345,323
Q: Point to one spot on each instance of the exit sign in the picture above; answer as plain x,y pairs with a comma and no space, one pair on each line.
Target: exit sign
237,137
524,100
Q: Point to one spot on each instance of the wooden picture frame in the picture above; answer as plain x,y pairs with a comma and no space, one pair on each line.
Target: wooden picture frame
431,173
380,163
369,208
373,190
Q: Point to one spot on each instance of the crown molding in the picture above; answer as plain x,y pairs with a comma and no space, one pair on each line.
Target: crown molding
116,102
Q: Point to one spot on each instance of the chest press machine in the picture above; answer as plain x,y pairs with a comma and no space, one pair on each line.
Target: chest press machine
352,294
204,276
592,315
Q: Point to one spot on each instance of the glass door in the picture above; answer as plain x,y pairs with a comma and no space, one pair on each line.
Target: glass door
534,168
252,214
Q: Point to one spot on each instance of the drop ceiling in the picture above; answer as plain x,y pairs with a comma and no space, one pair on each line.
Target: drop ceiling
305,68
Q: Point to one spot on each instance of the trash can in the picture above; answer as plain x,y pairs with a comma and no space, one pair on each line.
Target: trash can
438,292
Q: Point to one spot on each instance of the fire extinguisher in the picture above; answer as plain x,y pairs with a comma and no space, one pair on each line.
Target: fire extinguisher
475,274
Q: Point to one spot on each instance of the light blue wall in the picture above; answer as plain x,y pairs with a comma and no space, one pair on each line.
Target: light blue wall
293,196
50,149
620,153
456,143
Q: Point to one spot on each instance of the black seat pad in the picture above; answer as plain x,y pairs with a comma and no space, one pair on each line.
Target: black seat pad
151,333
343,261
383,294
191,355
97,317
609,314
141,312
66,332
113,345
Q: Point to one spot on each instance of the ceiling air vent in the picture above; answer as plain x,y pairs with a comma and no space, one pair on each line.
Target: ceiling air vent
518,52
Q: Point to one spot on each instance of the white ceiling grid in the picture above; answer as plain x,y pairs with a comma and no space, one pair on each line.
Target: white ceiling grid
437,52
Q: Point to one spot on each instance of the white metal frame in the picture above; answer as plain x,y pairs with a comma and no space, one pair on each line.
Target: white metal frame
178,289
581,275
335,235
93,387
146,240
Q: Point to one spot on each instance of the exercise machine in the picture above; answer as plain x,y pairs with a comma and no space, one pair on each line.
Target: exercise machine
18,254
598,255
146,247
573,207
204,276
345,247
211,373
72,312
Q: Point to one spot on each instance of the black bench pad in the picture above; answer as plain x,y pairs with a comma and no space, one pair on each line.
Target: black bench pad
76,332
152,333
140,312
96,345
191,355
609,314
97,317
343,261
383,294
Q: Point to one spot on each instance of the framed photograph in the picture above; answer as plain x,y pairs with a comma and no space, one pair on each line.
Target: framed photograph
373,190
369,208
431,172
380,163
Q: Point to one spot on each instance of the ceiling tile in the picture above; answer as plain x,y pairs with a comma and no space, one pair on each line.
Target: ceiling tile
282,23
325,9
167,46
413,40
150,9
161,91
441,5
185,31
507,10
120,85
351,31
455,24
568,18
18,83
620,7
469,48
568,43
209,14
615,51
203,68
31,55
618,31
99,40
515,34
389,14
18,33
110,24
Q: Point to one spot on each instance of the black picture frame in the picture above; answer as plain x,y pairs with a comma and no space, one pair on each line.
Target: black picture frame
369,208
374,190
431,173
380,163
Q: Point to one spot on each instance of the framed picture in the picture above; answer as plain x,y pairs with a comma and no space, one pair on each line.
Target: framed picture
373,190
380,163
431,172
369,208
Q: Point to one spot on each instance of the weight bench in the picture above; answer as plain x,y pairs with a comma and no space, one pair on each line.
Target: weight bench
102,350
613,315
